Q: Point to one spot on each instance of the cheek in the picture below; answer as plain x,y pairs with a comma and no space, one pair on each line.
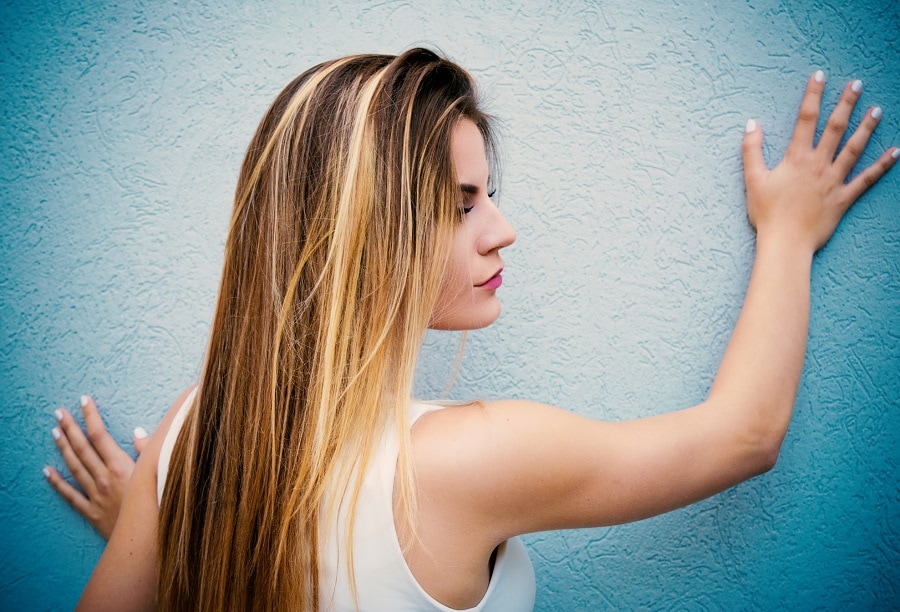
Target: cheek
454,282
455,293
457,276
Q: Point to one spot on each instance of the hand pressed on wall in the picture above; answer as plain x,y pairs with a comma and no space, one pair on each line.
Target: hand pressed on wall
99,465
804,198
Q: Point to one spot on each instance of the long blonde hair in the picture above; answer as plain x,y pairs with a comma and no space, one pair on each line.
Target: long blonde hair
343,215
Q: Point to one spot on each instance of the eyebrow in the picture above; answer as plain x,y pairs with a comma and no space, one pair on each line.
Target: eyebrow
468,189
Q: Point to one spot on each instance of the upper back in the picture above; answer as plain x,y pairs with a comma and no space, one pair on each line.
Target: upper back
383,578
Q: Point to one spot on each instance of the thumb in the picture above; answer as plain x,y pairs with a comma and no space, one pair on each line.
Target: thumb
140,439
754,164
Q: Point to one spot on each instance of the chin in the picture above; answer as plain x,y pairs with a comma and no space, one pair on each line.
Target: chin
466,319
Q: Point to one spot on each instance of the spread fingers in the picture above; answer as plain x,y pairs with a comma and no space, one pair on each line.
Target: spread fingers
856,144
837,123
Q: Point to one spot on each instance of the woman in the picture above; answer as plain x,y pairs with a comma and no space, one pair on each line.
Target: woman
303,477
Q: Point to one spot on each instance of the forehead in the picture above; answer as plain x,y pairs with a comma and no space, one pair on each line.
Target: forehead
467,147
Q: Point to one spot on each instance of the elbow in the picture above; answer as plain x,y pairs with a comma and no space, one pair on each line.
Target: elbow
758,434
766,449
757,447
768,456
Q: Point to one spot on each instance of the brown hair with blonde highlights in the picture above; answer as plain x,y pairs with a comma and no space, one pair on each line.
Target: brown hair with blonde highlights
343,215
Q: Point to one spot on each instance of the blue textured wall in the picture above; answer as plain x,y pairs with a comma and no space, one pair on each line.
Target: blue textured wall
123,128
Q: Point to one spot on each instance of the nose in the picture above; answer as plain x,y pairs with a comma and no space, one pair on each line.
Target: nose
498,234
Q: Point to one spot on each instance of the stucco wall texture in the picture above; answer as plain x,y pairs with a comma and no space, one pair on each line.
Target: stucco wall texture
123,128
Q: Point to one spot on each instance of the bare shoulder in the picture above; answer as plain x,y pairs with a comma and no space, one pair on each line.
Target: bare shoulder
471,430
480,430
154,445
495,465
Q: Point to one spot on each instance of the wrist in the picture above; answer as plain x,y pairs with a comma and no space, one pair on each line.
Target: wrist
785,246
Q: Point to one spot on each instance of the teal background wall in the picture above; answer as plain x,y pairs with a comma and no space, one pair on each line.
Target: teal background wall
123,128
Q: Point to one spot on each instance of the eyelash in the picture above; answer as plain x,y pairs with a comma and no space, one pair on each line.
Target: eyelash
467,209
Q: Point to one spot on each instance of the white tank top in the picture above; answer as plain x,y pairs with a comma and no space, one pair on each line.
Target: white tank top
383,580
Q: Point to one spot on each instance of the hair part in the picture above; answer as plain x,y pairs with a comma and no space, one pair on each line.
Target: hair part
343,215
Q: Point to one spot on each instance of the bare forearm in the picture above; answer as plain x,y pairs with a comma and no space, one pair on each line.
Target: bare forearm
760,371
795,209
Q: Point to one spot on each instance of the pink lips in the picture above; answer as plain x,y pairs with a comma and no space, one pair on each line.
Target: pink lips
493,282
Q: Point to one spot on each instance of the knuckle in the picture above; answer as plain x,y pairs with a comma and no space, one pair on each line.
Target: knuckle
853,149
836,126
119,472
103,485
808,113
79,445
96,436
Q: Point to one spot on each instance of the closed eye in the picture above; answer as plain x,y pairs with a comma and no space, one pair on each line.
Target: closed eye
468,191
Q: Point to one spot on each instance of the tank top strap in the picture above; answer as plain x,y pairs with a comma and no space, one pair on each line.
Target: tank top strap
165,453
419,409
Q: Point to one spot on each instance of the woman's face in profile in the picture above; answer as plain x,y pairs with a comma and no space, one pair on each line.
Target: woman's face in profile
468,295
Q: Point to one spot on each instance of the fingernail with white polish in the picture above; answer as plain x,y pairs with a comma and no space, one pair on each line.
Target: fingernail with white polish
751,126
46,472
876,112
58,414
819,76
896,154
856,86
84,401
57,434
140,432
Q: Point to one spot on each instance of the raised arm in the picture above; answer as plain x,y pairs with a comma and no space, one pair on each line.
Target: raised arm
516,467
795,209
